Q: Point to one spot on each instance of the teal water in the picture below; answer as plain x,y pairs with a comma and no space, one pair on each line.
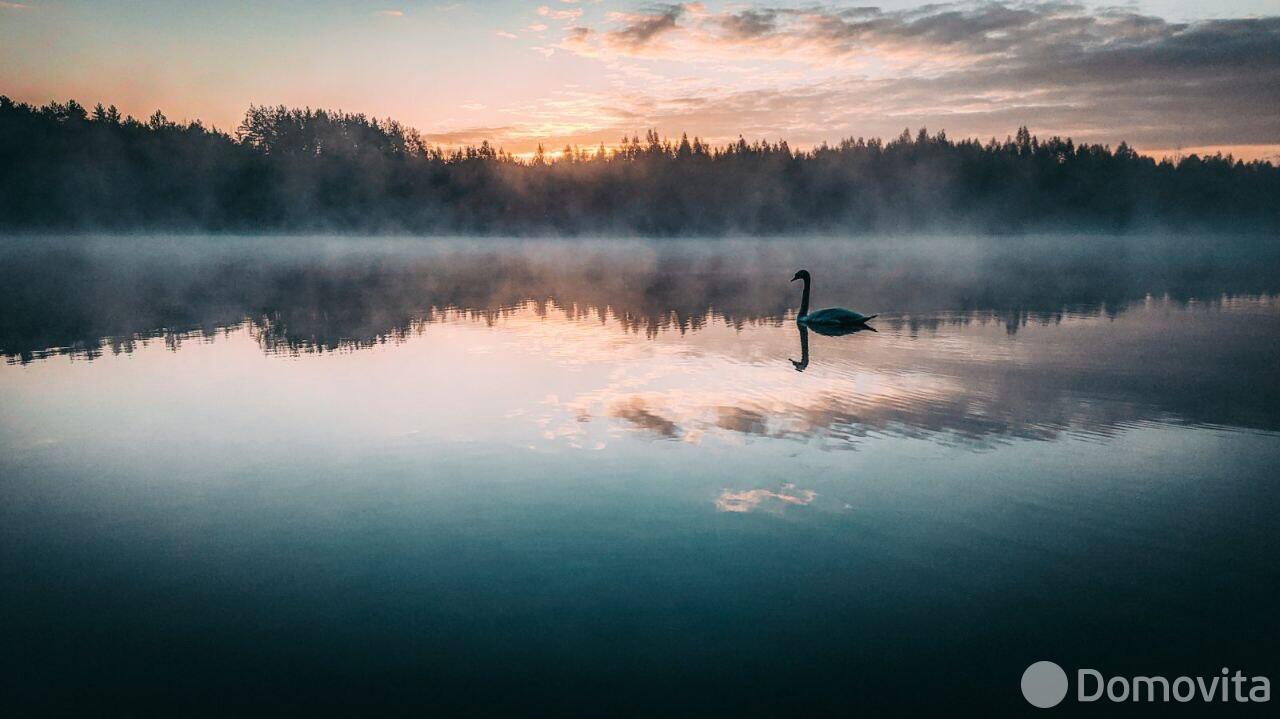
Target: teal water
302,474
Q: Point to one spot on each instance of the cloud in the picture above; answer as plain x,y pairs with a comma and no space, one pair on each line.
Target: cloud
640,29
467,136
821,72
391,13
547,12
505,34
749,23
577,35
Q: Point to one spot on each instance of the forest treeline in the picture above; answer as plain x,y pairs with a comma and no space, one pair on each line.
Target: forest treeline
66,167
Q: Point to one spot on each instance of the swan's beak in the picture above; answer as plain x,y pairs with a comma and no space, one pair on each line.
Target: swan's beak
793,279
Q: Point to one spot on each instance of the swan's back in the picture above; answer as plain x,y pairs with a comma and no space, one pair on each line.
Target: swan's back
835,316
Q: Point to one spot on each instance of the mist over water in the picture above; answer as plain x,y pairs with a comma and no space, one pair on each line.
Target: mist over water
304,472
77,294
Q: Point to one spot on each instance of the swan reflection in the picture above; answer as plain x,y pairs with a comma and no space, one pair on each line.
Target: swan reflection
826,330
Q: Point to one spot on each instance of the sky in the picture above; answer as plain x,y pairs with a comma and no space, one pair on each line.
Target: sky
1168,76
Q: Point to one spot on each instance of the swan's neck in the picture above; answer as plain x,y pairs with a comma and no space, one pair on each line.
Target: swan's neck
804,350
804,300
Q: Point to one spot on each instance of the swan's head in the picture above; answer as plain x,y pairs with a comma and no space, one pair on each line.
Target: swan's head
801,275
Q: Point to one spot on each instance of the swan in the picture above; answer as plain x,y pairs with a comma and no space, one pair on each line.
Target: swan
830,318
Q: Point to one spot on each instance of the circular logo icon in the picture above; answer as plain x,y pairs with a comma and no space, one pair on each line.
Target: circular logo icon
1044,684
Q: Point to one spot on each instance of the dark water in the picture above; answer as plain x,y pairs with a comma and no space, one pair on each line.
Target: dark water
302,474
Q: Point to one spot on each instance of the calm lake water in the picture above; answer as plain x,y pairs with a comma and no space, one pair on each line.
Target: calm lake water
614,478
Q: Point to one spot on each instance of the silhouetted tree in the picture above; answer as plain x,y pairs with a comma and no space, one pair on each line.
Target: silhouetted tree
64,167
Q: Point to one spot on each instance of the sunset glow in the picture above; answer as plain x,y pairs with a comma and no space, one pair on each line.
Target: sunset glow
1168,77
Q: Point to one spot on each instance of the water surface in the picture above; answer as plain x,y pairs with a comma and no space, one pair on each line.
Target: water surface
313,472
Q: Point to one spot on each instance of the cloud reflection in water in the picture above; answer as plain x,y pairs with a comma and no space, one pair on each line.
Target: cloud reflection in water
752,499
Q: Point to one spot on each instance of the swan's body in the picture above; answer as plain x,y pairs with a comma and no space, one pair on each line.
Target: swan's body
832,317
